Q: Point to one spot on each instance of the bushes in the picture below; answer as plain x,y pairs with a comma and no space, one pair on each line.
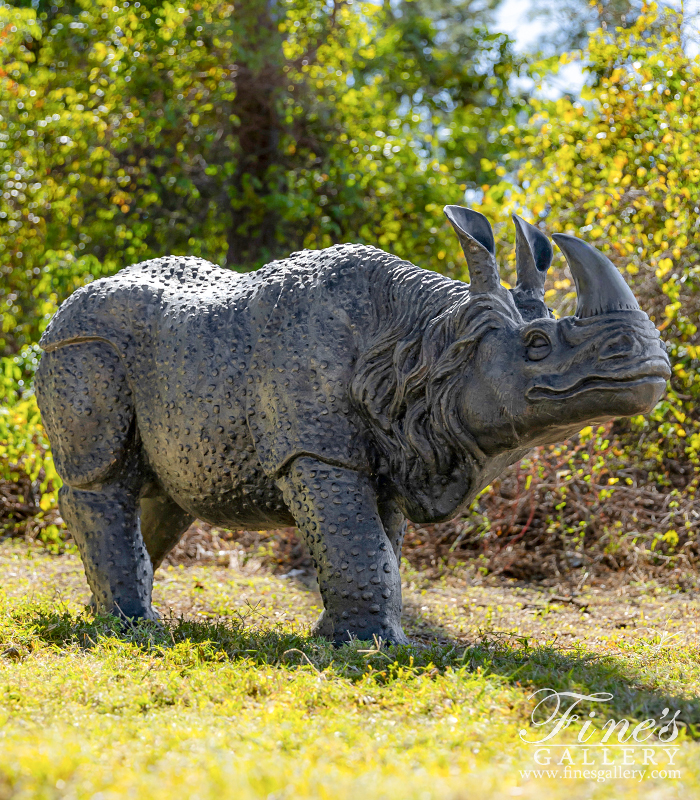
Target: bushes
619,166
575,509
235,133
28,480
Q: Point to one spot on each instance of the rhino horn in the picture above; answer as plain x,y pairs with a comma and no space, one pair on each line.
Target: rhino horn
599,285
533,257
476,237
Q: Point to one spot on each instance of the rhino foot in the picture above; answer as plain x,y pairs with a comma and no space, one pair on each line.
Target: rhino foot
330,628
150,614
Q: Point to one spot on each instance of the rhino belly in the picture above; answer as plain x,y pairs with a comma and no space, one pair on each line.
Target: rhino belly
208,464
190,398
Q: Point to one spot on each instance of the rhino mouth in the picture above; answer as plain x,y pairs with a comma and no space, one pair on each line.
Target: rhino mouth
657,373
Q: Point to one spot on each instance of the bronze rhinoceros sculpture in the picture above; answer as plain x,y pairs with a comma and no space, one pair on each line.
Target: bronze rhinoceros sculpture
340,390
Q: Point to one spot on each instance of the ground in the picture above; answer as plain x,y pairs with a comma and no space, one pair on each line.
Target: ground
230,698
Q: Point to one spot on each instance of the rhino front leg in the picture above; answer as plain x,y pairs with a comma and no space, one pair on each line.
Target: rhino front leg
358,574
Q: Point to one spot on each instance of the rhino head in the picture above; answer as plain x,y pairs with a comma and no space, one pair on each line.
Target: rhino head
536,379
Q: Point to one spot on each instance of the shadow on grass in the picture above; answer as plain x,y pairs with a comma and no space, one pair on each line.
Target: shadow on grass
638,693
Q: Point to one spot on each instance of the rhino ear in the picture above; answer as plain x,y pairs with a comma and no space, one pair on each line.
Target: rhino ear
476,237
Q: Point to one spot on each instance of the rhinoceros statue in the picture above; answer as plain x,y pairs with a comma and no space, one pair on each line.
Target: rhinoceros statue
340,390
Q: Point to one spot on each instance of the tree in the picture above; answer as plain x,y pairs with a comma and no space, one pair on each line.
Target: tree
234,133
619,167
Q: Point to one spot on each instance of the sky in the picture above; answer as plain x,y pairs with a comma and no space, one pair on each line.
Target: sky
513,18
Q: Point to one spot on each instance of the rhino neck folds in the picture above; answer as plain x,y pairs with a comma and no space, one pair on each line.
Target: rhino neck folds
409,384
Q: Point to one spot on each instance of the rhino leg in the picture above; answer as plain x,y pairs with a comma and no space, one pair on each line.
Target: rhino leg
105,527
87,408
394,523
162,523
336,512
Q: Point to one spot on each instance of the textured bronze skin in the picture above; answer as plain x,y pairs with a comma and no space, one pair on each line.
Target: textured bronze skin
340,390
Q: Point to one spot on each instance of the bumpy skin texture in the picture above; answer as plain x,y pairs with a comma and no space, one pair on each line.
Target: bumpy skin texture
340,390
358,572
92,427
178,390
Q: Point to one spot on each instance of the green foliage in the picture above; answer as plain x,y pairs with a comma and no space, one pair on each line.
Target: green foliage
27,470
618,165
238,134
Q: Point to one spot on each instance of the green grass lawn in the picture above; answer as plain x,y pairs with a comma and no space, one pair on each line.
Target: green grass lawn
230,698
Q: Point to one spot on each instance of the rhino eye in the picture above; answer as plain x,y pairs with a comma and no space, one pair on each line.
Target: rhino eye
538,346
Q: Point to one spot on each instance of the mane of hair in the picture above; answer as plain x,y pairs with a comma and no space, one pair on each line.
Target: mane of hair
408,381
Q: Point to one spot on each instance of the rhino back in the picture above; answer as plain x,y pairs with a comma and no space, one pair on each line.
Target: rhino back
129,307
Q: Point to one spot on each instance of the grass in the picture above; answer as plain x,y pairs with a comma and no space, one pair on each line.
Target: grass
231,698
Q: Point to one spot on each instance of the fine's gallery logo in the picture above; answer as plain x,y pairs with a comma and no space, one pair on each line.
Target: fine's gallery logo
616,749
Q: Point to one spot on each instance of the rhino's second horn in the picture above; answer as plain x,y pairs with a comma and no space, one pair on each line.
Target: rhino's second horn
533,257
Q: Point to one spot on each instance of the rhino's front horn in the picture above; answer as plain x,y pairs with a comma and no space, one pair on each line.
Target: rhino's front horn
533,257
476,237
599,285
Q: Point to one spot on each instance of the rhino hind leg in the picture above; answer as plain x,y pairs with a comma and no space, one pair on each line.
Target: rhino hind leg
395,524
336,512
162,523
88,412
